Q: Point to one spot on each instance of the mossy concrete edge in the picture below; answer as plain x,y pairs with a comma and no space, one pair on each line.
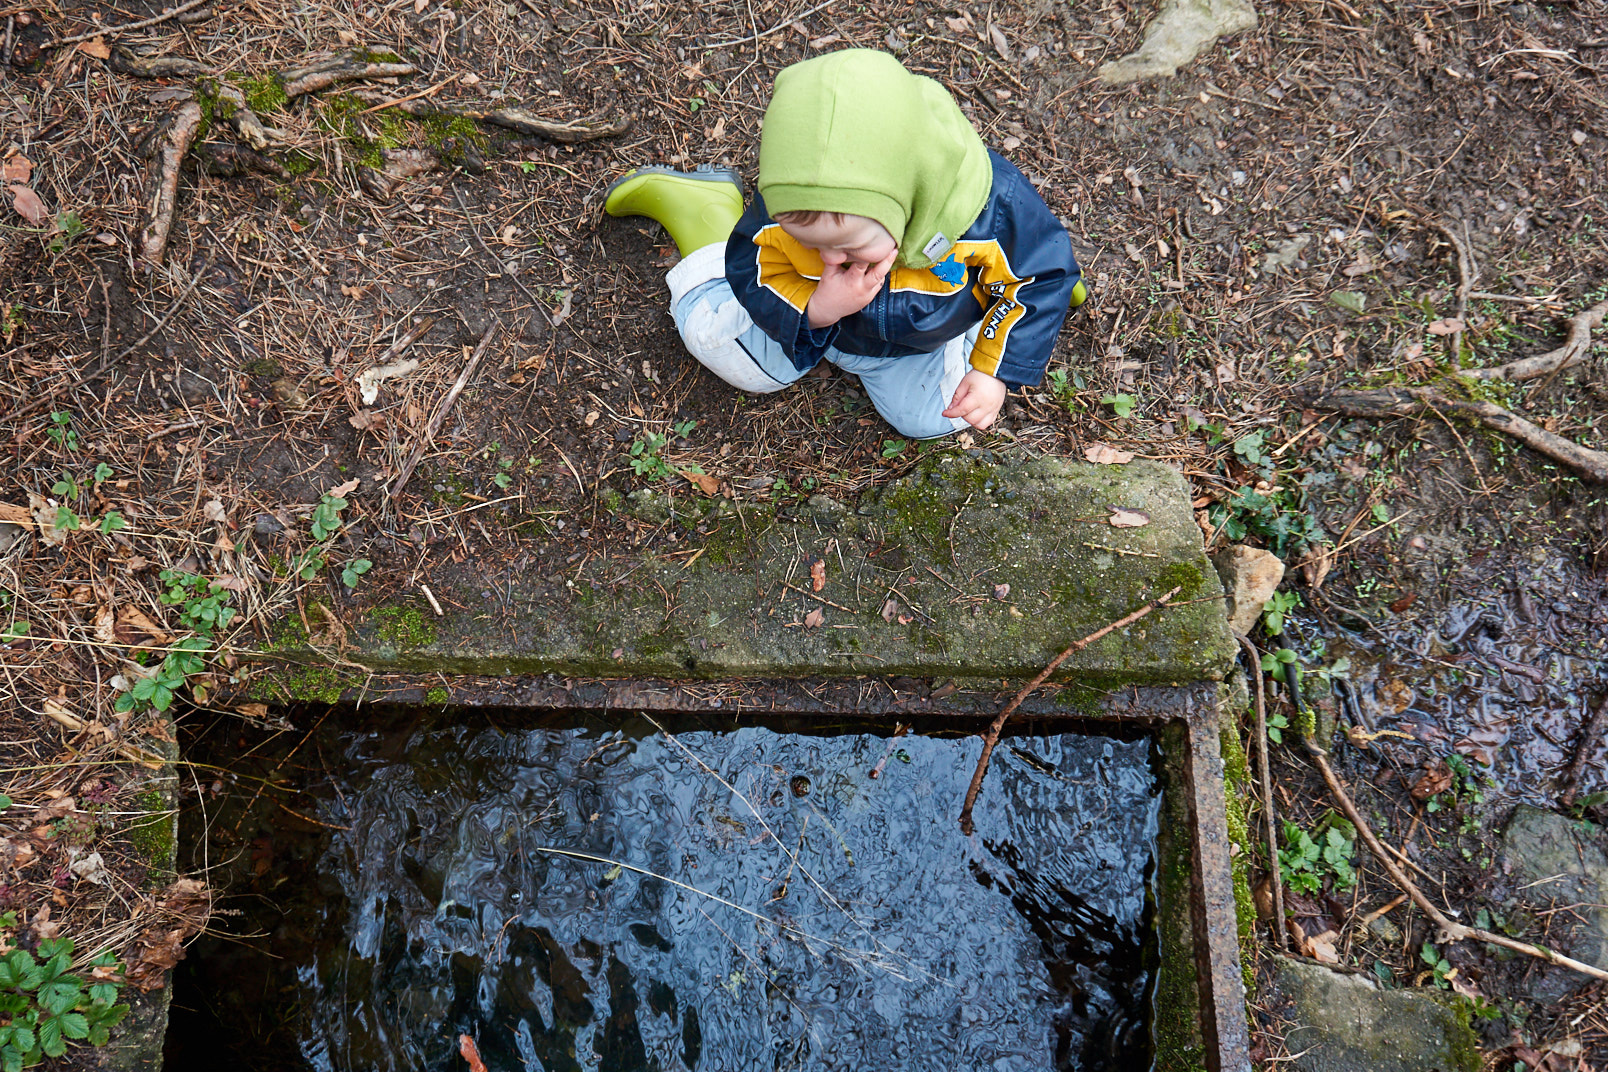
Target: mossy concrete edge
966,568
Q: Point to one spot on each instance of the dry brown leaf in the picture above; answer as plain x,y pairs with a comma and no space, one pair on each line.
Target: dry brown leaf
1101,454
253,710
889,609
1436,779
709,485
18,169
814,618
1449,326
44,515
817,573
1123,518
343,490
95,46
213,510
365,419
231,583
1321,947
28,205
105,621
132,622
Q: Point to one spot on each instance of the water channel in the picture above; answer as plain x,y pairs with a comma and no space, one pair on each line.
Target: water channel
609,892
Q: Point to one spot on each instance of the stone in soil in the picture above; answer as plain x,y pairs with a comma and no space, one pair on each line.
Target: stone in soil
1555,862
1345,1023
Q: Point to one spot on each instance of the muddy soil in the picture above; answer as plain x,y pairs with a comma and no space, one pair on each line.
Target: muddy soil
1281,219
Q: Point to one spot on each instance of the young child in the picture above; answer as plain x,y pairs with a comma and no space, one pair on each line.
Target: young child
885,238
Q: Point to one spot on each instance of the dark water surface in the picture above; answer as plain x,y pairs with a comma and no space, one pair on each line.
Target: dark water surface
712,898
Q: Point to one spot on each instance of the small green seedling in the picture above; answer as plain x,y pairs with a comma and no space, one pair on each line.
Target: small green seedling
1274,610
353,570
203,604
1121,404
327,516
1439,966
892,448
61,431
1308,860
46,1007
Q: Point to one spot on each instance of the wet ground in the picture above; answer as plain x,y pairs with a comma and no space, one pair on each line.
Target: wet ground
591,892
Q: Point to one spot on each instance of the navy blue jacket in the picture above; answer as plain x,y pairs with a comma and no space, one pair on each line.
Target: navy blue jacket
1012,270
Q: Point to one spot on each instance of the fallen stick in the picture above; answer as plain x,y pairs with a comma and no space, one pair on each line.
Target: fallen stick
1408,401
991,738
162,183
1450,930
1267,792
440,414
1574,350
108,31
1593,734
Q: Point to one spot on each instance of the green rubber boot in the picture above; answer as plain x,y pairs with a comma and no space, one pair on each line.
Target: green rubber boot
1080,294
698,208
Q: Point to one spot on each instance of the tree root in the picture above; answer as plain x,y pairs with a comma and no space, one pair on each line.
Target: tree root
1450,930
1407,401
398,166
521,121
1571,353
342,67
162,180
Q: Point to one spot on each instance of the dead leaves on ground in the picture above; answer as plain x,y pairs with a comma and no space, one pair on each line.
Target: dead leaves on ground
181,912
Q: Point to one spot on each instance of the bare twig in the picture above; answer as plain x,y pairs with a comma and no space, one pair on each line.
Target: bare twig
991,738
1588,740
1575,350
1408,401
178,303
784,24
108,31
1267,791
440,414
1450,930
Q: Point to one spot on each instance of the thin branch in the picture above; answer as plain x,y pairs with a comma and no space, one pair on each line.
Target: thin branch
992,737
1408,401
107,31
1450,930
1267,792
440,414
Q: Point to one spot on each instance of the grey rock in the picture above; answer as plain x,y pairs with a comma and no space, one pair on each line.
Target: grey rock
9,535
1553,861
1181,30
1345,1023
267,525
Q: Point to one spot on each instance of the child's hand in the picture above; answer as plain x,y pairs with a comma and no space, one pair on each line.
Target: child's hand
977,399
846,288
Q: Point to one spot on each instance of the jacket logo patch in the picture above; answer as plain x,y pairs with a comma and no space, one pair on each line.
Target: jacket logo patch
949,270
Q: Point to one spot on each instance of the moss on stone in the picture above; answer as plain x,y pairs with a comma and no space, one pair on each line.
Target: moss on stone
1236,793
403,627
437,695
152,833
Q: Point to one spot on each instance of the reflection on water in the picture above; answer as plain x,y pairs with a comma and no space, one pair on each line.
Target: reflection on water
578,899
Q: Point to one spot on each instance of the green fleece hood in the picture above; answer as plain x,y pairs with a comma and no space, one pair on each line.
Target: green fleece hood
855,132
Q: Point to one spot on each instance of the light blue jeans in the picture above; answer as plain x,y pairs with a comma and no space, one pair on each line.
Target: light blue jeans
911,393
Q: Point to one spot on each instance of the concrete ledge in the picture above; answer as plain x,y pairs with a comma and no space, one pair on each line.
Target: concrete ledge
965,569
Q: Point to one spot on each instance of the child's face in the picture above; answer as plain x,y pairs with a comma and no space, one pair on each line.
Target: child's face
850,239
